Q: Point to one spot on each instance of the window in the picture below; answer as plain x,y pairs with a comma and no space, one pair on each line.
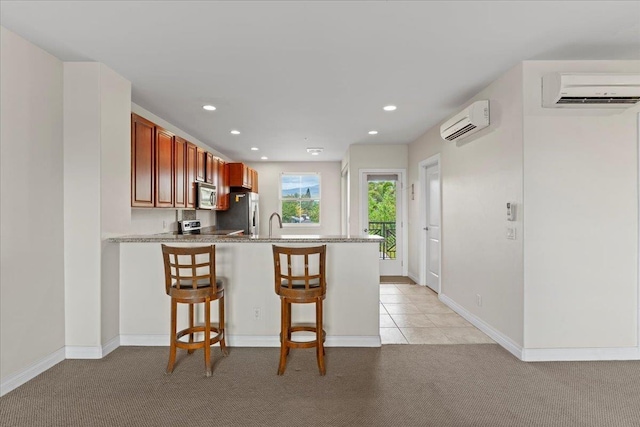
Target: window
300,198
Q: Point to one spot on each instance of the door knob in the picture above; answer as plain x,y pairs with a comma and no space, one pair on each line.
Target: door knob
366,230
426,228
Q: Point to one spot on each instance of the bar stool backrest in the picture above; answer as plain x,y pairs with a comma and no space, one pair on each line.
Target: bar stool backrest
189,268
300,270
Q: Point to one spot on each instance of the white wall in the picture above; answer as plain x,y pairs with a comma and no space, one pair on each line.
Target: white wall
269,184
479,176
82,202
115,185
31,210
370,156
97,180
581,219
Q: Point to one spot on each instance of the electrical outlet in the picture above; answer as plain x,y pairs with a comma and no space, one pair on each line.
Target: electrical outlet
479,300
164,225
257,313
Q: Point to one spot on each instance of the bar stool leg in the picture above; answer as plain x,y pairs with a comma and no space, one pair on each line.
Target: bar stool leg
284,333
172,345
207,336
223,343
288,325
320,337
190,351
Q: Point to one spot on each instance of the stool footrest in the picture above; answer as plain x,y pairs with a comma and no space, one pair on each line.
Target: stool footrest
304,344
197,344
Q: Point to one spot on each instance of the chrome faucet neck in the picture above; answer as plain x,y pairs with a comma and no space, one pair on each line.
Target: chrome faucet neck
276,214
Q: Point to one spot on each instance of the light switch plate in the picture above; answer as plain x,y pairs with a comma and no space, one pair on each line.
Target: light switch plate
511,233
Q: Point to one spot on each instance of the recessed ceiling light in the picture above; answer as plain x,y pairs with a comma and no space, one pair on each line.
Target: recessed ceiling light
209,107
315,151
254,148
264,158
373,132
389,107
235,132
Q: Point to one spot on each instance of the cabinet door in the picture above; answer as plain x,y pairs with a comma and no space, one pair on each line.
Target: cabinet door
164,168
191,174
142,162
236,174
223,185
180,172
201,164
254,181
209,168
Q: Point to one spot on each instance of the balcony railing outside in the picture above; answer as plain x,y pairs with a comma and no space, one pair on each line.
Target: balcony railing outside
386,230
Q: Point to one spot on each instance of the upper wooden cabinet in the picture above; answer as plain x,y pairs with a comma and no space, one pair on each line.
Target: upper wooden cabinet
209,166
180,172
142,162
223,185
192,154
201,161
242,177
164,167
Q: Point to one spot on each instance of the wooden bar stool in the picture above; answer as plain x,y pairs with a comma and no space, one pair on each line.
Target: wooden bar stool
300,279
190,278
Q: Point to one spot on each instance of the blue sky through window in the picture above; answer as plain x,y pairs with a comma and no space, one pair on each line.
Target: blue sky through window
293,185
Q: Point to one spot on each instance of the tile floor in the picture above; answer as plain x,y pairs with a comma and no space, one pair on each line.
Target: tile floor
412,314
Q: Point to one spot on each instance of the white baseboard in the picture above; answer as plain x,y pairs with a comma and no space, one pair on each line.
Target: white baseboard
544,354
580,354
253,341
414,278
16,380
83,352
495,335
110,346
145,340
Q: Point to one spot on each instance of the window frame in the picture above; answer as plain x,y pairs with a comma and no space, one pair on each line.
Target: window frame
282,199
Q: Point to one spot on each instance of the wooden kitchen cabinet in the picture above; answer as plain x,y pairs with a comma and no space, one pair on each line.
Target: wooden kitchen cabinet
192,154
242,177
209,168
223,185
164,169
180,172
201,162
142,162
254,181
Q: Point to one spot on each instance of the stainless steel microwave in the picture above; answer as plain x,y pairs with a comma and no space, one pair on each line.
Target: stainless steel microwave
206,196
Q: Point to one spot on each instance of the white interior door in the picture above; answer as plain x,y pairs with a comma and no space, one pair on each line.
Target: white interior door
430,239
381,202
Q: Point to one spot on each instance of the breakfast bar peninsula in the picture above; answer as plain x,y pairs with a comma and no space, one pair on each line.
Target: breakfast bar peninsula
252,309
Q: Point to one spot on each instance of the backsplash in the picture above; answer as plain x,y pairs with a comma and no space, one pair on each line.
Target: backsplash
152,221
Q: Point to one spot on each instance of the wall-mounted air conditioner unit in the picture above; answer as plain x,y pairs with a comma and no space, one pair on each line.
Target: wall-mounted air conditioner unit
466,122
563,90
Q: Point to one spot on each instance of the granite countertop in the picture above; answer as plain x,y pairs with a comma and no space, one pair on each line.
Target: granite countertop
173,237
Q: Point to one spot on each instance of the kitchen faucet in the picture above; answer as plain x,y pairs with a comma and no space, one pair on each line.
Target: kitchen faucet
271,220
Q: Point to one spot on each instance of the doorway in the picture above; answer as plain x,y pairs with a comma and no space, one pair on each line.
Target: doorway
382,214
430,253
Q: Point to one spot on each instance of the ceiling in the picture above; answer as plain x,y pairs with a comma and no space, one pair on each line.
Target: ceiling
291,75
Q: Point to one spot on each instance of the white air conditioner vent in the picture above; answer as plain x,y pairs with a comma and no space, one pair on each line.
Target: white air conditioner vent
562,90
467,122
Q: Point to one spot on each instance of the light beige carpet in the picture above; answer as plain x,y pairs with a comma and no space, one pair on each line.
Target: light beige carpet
404,385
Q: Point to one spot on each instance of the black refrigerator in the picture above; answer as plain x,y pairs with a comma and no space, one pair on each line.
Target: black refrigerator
243,214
